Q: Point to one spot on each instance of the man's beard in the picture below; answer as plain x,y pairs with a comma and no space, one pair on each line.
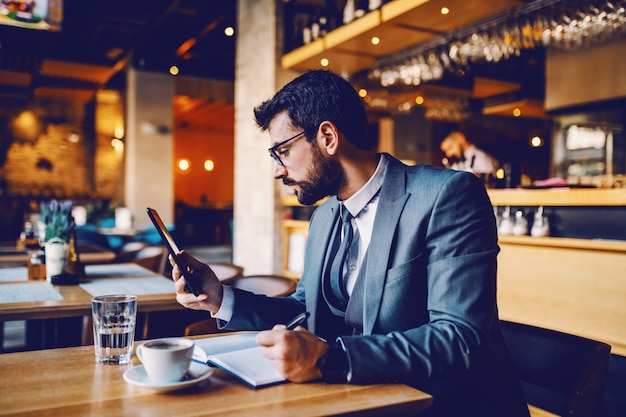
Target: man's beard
325,178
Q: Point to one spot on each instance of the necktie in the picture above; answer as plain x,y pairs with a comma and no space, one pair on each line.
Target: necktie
337,274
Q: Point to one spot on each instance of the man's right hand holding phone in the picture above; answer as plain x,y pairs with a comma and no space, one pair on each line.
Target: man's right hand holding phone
210,298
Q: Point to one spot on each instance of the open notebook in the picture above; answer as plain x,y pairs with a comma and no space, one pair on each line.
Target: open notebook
240,356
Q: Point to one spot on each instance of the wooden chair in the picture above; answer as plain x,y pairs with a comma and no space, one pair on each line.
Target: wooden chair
270,285
152,258
560,373
128,252
226,271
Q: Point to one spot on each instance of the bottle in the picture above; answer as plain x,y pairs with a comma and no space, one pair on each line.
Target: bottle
375,4
348,12
74,266
520,227
307,36
506,223
36,266
541,226
315,28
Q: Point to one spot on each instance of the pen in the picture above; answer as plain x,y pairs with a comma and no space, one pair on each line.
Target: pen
298,320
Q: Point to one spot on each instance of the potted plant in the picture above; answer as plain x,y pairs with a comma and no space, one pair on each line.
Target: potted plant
59,227
57,217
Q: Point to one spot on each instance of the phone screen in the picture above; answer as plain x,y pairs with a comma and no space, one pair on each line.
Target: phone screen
168,240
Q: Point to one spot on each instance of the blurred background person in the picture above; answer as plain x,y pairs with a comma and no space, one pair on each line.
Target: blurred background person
463,155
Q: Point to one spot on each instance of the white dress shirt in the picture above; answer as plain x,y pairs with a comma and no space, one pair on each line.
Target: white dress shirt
364,204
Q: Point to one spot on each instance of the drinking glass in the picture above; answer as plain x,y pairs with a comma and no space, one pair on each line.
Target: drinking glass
114,318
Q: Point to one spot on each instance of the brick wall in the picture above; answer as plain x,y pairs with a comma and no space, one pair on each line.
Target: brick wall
50,163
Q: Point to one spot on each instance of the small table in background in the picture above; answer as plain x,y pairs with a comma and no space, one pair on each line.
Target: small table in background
89,254
42,301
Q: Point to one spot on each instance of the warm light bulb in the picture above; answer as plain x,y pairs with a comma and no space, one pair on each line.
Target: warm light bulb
119,132
229,31
174,70
117,144
362,92
445,10
375,40
324,62
209,165
500,174
536,142
517,112
419,100
184,164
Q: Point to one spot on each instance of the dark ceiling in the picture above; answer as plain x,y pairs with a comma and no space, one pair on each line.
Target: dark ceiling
98,39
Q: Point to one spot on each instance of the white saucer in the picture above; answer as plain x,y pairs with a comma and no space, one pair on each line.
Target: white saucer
137,376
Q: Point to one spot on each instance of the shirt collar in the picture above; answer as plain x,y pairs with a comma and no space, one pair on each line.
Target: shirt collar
369,191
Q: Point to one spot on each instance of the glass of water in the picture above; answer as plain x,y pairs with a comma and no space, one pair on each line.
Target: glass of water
114,318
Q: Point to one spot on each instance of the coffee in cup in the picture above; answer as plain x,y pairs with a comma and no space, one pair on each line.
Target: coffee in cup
167,359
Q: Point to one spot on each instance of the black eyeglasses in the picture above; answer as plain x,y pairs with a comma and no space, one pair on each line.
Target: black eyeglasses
273,149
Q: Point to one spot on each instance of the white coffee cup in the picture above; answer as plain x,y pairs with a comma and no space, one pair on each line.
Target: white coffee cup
167,359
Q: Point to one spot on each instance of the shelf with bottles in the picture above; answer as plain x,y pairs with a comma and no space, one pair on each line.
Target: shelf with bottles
580,227
381,29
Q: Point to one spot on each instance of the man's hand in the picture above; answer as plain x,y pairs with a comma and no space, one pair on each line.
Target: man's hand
294,353
210,298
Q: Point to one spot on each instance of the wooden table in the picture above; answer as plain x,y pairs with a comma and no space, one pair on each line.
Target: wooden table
89,254
76,303
68,382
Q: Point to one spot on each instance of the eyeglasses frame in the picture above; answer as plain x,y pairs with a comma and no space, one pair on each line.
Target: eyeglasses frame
273,152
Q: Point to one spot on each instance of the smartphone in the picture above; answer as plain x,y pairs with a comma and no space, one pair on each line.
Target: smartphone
192,282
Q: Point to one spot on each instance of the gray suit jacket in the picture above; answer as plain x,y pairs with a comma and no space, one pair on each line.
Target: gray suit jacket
429,315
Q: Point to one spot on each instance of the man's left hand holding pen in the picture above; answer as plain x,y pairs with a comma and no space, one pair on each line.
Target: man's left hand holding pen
294,353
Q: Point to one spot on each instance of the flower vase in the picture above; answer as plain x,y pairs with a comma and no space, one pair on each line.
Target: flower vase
57,255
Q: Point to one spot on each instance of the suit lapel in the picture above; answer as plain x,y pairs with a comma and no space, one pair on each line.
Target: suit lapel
317,246
393,197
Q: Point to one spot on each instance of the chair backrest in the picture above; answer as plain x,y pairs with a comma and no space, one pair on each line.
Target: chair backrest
270,285
560,372
226,271
152,258
129,250
86,234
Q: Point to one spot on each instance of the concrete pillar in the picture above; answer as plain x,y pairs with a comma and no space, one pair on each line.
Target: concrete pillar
149,146
257,205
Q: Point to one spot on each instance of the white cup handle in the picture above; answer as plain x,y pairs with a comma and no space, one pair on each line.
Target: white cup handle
138,351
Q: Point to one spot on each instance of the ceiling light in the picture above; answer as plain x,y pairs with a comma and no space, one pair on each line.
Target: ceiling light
117,144
445,10
362,92
536,142
419,100
229,31
119,132
324,62
209,165
375,40
174,70
183,165
517,112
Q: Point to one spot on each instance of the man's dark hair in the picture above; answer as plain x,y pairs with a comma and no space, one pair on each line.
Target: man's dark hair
317,96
